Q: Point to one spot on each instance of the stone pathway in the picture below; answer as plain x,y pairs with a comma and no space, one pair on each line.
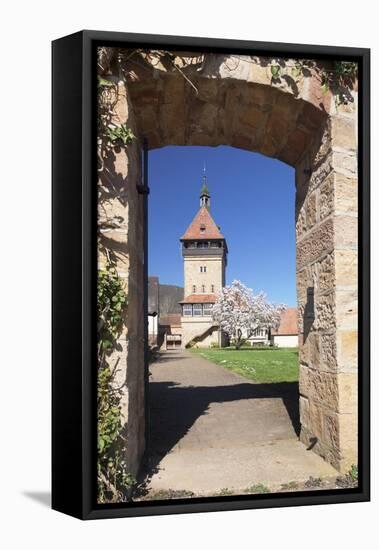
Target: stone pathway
212,429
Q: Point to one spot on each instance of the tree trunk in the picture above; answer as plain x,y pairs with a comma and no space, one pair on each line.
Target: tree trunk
239,339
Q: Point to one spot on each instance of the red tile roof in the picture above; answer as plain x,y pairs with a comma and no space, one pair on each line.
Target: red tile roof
288,323
171,319
203,227
199,299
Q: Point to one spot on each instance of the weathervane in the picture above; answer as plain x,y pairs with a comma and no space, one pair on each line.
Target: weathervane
204,173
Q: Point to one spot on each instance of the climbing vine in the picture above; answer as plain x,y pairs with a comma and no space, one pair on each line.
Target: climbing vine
119,135
114,480
110,134
338,76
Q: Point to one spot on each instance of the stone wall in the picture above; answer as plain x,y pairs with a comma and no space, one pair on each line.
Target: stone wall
120,222
327,291
233,100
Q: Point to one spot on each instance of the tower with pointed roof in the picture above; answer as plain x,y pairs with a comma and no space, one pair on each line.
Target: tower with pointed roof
204,251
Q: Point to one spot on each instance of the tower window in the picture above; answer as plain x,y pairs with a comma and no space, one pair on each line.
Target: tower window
202,288
207,309
193,288
204,268
212,288
187,310
198,310
202,228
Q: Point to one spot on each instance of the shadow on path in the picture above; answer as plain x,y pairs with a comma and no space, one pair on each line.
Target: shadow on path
174,409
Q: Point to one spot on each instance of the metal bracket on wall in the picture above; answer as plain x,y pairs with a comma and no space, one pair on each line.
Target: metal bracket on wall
143,189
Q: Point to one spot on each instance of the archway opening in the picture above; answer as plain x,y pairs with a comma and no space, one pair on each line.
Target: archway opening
248,394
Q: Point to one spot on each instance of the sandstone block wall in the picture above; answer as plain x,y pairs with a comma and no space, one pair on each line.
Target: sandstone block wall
121,231
327,292
233,100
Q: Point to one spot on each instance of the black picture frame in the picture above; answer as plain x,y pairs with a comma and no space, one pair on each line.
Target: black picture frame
74,276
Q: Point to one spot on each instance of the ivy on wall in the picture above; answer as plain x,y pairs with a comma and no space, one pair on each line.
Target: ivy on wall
339,76
114,480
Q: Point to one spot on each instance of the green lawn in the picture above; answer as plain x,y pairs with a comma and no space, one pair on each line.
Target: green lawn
260,365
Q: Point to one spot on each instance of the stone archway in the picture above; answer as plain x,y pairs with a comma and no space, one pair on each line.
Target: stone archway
192,99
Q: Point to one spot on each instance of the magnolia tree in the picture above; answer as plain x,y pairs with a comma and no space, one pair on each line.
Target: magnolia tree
240,313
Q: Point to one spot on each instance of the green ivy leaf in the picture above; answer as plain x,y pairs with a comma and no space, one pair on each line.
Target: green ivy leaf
103,82
296,71
324,87
111,303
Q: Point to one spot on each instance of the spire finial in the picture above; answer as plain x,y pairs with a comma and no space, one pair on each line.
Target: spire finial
205,198
204,175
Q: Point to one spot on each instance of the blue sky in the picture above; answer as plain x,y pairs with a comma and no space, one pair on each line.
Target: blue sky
253,201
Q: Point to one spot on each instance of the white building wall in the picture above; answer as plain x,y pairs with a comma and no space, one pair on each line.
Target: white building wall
285,341
153,326
195,326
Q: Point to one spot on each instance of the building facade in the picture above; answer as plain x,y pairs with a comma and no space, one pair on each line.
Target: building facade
287,334
170,331
204,251
259,337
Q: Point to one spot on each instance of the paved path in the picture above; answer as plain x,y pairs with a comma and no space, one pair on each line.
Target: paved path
213,429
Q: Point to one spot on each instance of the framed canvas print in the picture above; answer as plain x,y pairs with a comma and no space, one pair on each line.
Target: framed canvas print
210,274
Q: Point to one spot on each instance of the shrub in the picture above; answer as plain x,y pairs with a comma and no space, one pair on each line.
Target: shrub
353,473
350,479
